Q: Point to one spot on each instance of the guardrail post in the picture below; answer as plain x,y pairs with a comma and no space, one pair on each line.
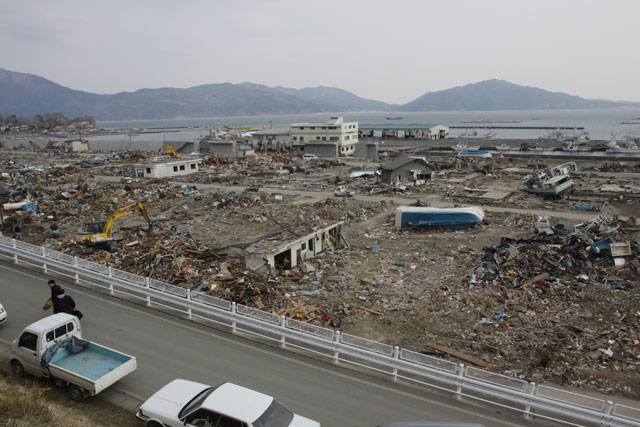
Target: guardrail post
189,301
110,280
606,417
283,325
396,357
460,381
76,276
15,252
233,317
336,352
530,392
147,286
44,264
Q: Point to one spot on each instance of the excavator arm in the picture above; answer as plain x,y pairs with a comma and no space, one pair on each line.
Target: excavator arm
107,231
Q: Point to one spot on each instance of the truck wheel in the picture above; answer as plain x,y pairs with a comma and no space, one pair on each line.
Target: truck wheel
76,393
17,368
153,424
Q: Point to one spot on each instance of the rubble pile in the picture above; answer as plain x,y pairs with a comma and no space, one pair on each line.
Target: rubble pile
554,307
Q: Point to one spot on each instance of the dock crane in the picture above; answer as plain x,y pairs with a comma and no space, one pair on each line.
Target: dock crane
100,233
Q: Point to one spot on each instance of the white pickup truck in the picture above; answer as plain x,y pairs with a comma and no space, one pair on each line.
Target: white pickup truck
342,191
53,348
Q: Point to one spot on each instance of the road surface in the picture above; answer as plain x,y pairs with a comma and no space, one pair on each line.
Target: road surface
169,347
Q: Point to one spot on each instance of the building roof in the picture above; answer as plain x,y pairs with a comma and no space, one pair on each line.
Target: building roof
401,161
274,131
414,126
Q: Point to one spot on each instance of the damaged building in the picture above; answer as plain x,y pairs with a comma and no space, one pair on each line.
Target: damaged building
285,255
407,170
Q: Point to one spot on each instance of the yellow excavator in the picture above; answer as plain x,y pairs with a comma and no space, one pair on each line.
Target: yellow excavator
170,150
100,233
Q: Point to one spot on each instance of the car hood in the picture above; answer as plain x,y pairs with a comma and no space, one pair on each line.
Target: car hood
166,403
300,421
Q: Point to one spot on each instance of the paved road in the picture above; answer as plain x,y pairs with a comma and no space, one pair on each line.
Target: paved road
168,347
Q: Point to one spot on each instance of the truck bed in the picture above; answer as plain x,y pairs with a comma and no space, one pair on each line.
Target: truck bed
94,368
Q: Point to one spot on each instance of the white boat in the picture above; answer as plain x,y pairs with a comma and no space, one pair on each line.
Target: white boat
551,182
393,117
461,146
503,147
630,147
476,134
475,153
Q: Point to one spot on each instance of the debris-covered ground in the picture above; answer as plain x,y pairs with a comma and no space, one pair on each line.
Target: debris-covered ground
543,307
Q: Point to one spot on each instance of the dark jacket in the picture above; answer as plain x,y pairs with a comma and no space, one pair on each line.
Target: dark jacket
63,304
55,290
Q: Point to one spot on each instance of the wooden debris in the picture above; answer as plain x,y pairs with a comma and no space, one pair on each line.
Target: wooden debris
459,355
377,313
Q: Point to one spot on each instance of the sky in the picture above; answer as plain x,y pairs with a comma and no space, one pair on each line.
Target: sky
392,51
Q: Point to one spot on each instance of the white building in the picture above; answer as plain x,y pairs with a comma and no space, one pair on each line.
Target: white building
334,138
165,168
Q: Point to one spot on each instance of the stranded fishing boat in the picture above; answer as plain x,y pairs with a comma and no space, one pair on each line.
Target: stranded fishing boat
438,218
551,182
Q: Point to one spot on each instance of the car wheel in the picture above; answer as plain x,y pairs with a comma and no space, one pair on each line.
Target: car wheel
76,393
17,368
153,424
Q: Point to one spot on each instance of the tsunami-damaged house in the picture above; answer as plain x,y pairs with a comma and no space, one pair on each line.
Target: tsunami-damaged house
407,170
283,254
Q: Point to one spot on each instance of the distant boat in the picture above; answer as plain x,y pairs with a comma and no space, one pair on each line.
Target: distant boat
630,147
393,117
475,153
438,218
461,146
503,147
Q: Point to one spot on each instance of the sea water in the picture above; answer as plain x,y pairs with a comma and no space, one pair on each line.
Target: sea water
598,124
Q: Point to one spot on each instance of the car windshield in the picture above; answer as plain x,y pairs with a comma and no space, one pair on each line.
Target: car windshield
276,415
196,402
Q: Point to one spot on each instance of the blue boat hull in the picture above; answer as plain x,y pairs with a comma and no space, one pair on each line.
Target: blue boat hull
435,219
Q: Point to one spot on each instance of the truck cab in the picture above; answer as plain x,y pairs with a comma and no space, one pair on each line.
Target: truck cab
35,339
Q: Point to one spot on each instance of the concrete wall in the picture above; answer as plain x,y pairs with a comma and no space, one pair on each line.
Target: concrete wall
218,147
322,150
367,150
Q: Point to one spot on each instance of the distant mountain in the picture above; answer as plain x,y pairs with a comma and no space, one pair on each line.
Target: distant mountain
27,95
502,95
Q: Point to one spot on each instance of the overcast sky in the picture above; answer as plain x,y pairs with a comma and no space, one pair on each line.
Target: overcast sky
392,50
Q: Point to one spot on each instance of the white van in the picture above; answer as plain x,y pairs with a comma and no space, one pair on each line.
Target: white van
309,157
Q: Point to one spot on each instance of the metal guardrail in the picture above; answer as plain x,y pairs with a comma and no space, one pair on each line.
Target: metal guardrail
530,399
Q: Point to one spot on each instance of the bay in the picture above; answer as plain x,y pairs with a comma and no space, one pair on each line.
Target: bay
599,124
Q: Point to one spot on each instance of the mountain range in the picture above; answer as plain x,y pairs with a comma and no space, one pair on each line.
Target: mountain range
27,95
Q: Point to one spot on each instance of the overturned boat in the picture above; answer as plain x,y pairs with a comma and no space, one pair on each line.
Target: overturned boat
438,218
551,182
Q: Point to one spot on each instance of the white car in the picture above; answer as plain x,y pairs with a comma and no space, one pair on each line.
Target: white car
3,314
188,403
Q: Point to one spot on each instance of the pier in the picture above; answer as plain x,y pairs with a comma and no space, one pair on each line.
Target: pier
518,127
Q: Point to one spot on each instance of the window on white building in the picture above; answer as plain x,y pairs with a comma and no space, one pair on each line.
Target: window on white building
182,167
175,169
